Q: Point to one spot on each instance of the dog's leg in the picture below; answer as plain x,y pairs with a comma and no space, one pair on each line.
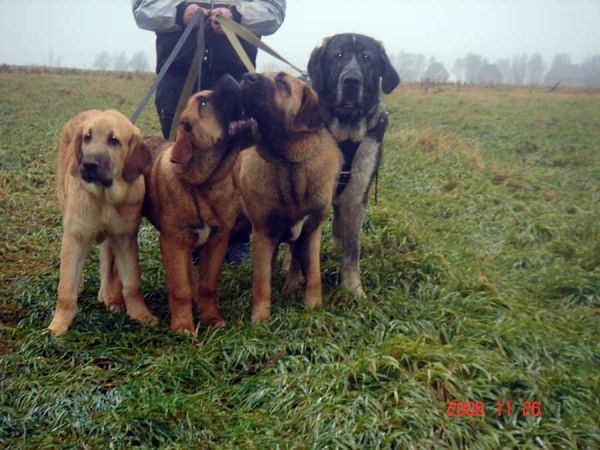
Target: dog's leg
193,279
72,259
175,257
295,277
350,207
309,255
263,249
111,288
126,258
210,260
336,233
287,258
350,217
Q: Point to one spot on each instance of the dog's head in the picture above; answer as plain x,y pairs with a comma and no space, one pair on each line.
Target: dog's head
346,71
211,127
108,146
282,106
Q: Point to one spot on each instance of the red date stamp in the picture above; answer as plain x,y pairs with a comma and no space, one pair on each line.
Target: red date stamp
503,408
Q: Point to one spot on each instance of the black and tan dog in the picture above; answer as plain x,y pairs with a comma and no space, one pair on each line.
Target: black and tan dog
101,189
346,72
192,201
286,182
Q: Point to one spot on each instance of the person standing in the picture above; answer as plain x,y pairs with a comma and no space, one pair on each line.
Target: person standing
168,19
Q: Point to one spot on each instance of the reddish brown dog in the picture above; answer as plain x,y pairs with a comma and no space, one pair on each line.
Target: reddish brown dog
287,183
192,201
101,190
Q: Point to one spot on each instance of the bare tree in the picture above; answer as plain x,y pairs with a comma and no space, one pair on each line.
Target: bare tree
436,72
591,71
535,69
272,66
561,59
410,66
121,62
472,65
139,62
518,68
102,61
503,66
458,69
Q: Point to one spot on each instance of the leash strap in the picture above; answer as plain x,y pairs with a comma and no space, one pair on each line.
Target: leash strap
194,73
232,28
166,65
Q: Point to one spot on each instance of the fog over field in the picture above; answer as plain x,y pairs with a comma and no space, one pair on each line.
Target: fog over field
72,33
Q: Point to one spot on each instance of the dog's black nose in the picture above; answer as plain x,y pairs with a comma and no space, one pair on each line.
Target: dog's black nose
90,165
351,80
251,78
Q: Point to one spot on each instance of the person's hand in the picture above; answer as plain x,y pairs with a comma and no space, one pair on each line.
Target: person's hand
219,12
190,11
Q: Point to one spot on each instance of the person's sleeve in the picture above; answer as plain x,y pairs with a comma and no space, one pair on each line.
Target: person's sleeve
157,15
262,17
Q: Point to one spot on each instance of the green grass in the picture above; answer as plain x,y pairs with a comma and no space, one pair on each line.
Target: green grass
481,262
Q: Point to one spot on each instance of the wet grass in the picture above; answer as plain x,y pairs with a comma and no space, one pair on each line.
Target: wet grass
481,261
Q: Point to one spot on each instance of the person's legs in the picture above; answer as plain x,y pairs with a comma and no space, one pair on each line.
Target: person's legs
167,96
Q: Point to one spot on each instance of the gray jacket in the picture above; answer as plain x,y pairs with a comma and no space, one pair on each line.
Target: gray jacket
261,17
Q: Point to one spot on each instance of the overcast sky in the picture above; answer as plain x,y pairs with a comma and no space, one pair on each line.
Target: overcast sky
75,31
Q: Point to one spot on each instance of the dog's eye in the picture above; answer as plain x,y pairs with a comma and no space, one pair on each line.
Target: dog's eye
366,57
113,141
202,102
88,136
339,55
187,126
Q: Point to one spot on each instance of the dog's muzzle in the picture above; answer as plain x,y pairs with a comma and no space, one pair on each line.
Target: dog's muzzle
350,88
96,168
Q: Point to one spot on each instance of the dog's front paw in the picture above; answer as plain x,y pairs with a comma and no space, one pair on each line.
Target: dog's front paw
260,315
312,301
114,302
358,291
292,281
147,319
183,325
56,330
351,282
213,320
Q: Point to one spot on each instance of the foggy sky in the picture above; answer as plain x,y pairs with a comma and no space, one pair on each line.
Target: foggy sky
33,32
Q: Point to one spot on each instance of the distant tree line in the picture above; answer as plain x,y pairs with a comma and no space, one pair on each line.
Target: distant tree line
519,70
120,62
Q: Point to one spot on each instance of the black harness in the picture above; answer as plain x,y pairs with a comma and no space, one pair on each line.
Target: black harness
349,149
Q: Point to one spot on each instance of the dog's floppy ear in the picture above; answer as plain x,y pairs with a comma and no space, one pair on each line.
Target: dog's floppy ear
76,149
309,117
389,76
139,159
315,69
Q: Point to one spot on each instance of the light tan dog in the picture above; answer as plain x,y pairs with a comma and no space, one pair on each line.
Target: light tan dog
100,188
192,201
287,183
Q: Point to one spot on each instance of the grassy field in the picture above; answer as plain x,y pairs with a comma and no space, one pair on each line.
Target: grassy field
481,263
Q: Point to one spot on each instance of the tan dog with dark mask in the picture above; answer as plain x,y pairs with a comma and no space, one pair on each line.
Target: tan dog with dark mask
287,183
192,201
